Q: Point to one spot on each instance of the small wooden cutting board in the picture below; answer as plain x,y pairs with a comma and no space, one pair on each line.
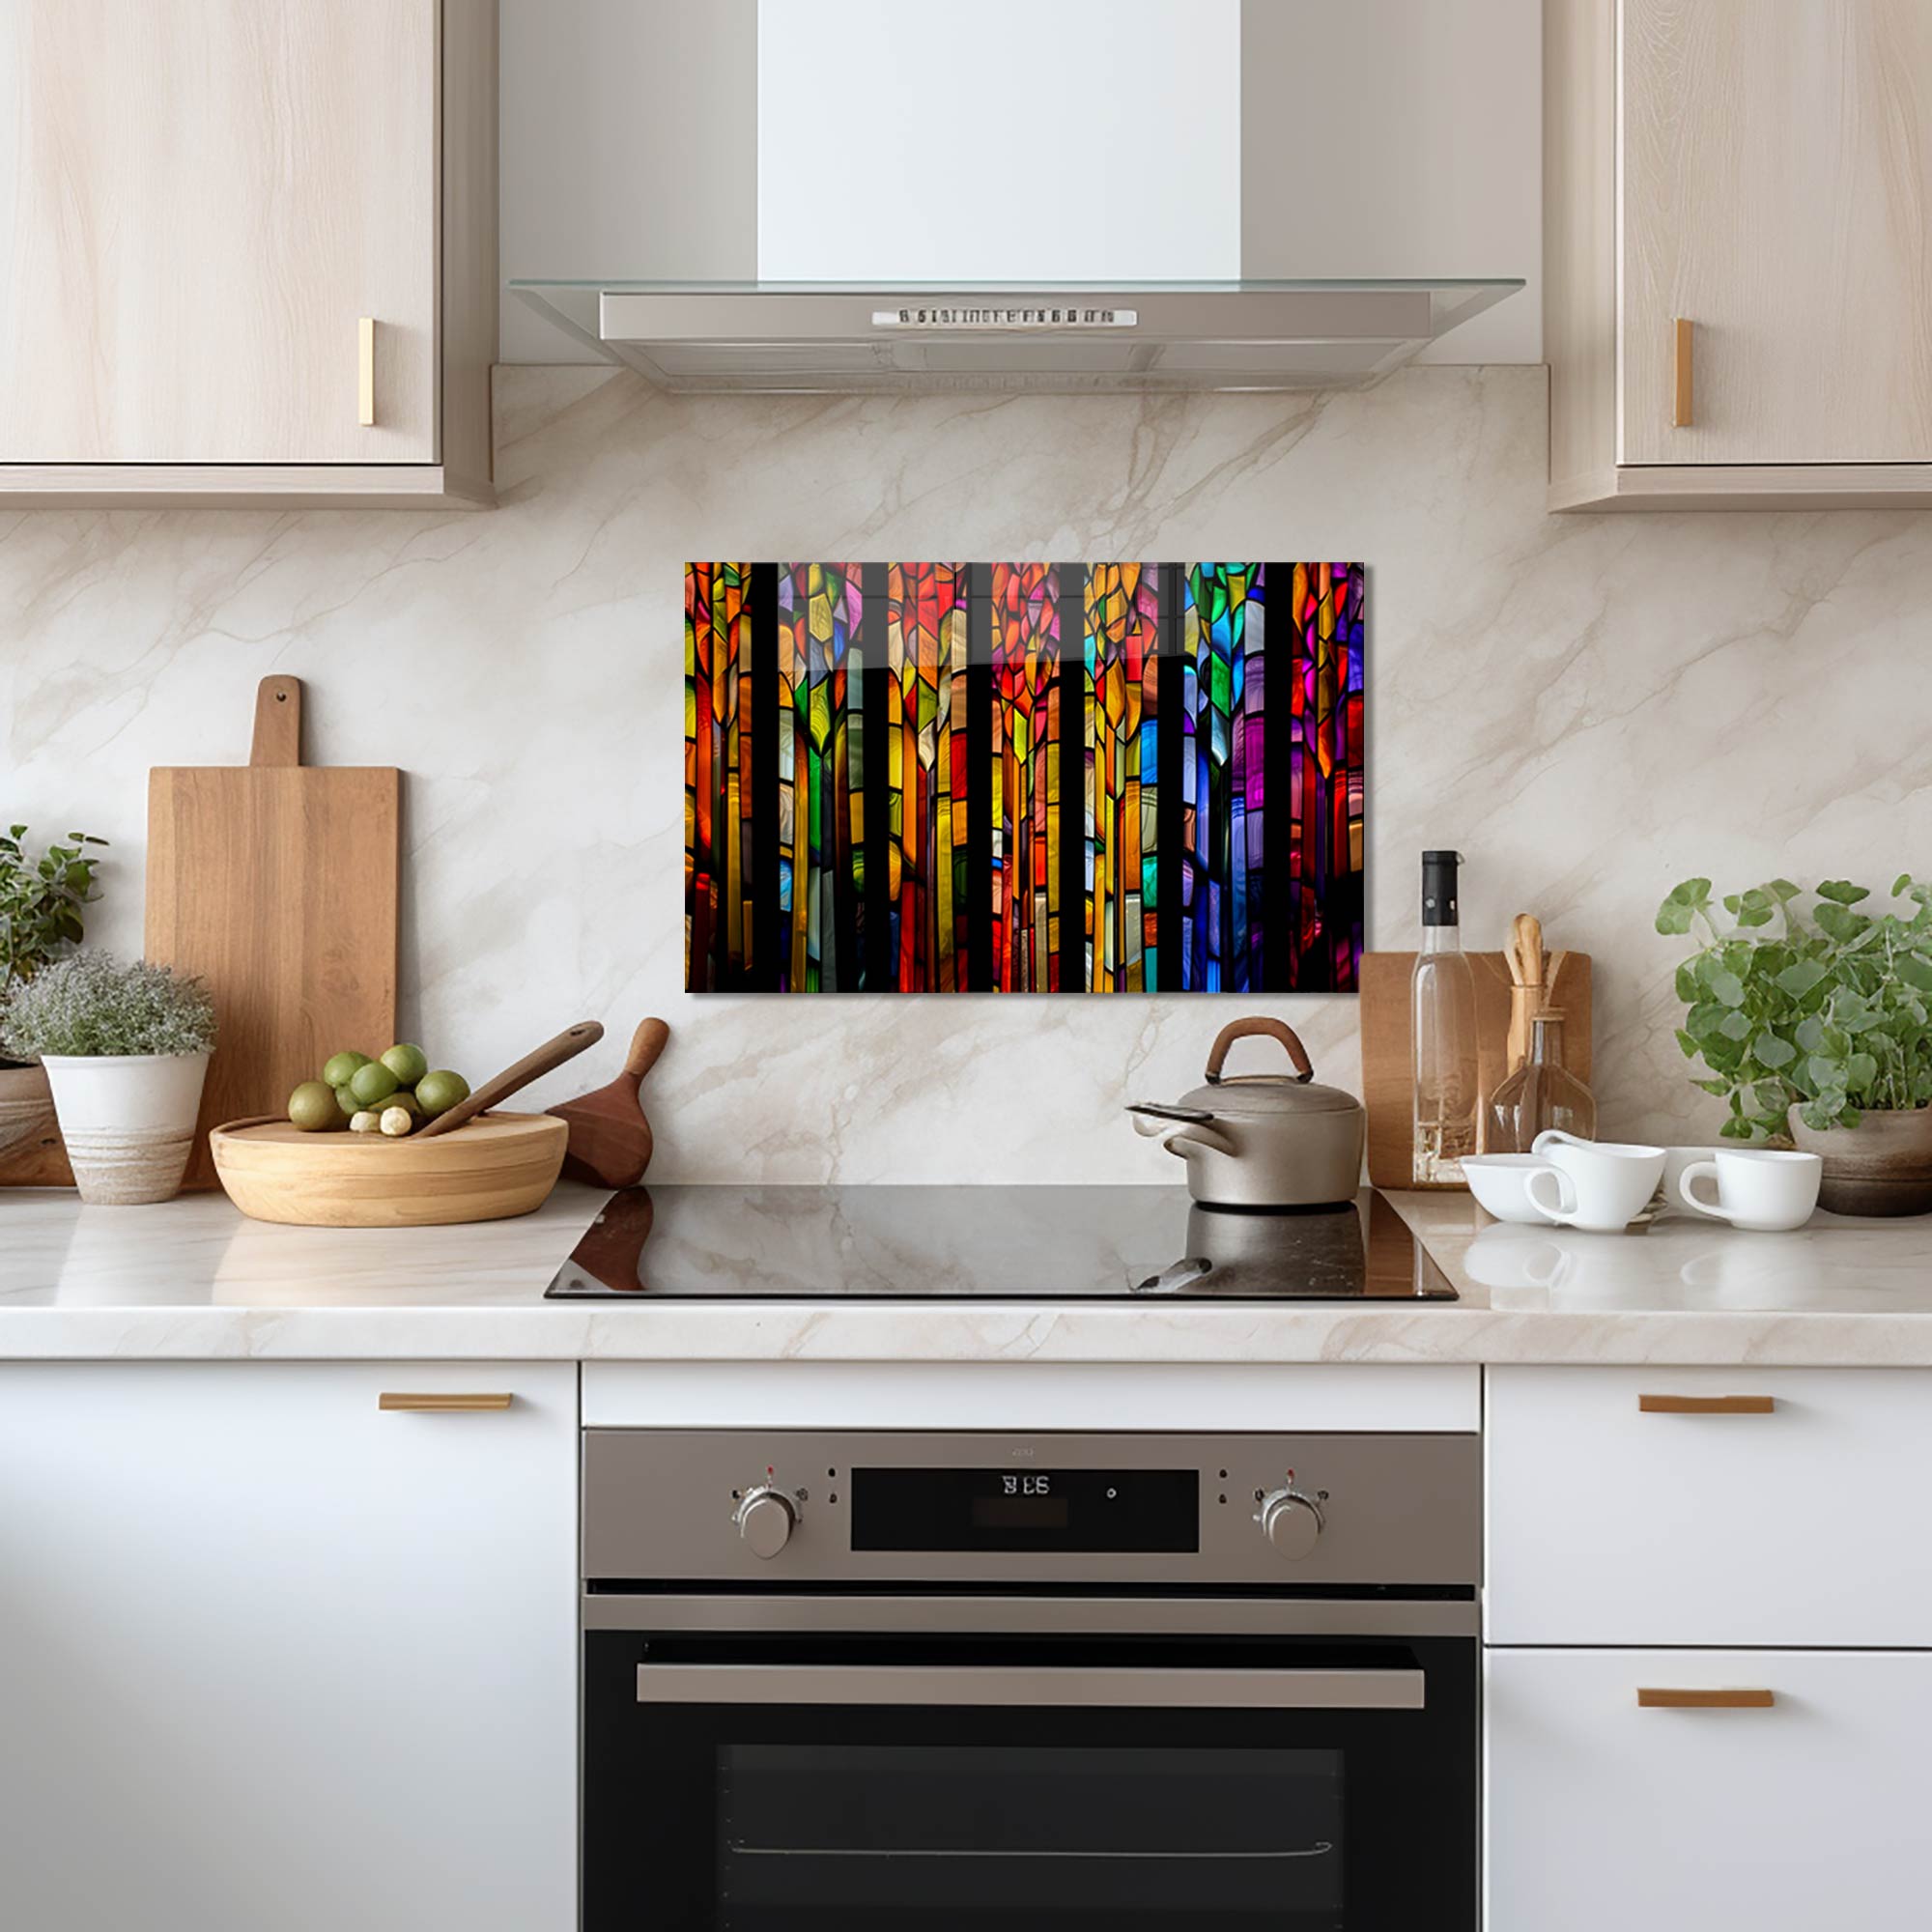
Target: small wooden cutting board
277,883
1388,1037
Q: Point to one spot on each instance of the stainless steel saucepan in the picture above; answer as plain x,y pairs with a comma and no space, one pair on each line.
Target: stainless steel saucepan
1261,1139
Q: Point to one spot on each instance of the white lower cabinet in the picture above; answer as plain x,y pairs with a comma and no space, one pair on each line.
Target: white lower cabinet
1607,1817
272,1655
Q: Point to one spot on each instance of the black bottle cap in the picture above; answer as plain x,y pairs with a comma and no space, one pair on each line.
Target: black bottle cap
1438,888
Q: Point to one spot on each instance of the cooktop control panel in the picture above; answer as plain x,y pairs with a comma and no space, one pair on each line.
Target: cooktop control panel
794,1506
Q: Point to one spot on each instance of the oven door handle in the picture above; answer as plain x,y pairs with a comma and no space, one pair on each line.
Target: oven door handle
1047,1684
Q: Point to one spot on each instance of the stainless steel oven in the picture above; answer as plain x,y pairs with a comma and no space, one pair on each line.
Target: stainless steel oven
867,1681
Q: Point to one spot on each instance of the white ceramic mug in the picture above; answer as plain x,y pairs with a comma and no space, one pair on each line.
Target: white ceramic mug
1766,1188
1496,1180
1602,1186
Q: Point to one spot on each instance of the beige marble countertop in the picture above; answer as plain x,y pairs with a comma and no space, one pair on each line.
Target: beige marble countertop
195,1280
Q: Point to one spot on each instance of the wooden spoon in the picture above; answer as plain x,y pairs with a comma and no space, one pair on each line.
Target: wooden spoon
567,1045
1526,965
609,1137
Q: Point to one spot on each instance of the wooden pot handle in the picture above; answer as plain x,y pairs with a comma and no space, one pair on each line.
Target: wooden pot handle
1217,1054
646,1043
567,1045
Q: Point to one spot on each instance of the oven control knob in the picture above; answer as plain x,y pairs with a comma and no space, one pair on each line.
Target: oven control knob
765,1520
1290,1521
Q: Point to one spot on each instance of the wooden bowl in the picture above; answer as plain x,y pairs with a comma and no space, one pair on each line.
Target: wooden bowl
495,1166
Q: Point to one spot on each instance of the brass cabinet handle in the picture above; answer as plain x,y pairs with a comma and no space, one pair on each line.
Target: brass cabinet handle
365,371
1652,1699
1706,1404
1680,393
438,1405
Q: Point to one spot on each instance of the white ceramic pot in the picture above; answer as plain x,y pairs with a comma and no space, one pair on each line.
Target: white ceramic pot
127,1120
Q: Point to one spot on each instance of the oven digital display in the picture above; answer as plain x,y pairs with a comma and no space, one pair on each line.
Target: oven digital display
1077,1511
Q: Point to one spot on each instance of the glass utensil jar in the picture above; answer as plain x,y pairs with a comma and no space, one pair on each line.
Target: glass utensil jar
1541,1092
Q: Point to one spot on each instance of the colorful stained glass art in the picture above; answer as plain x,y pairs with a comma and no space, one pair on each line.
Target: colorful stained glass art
1026,792
1123,778
820,877
718,741
1223,778
927,740
1122,768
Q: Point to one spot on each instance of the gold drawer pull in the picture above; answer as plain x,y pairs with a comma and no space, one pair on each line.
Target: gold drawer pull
365,371
1680,394
437,1405
1704,1700
1706,1404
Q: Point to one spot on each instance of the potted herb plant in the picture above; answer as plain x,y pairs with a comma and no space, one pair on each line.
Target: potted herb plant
41,901
1817,1029
126,1049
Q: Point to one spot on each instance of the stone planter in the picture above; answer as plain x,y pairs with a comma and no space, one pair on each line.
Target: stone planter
1881,1166
26,1104
127,1120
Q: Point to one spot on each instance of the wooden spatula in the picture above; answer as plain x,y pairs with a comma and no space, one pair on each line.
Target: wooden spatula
567,1045
1526,963
609,1138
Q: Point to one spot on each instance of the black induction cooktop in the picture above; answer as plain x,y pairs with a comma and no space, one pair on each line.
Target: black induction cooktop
864,1243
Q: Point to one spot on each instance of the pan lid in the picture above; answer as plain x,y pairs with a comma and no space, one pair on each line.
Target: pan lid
1259,1095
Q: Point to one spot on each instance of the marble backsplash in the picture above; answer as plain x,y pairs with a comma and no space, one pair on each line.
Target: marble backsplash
1588,707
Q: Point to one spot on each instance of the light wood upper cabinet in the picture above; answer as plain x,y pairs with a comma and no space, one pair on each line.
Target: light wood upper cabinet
1738,239
201,205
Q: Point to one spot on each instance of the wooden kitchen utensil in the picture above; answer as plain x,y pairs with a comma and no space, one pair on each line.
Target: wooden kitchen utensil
503,1165
550,1056
609,1138
1527,964
276,882
1388,1042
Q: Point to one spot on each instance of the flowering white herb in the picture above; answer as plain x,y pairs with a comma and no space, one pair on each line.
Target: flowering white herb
91,1005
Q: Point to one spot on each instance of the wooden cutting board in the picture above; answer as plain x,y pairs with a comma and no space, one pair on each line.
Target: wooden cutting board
276,882
1388,1042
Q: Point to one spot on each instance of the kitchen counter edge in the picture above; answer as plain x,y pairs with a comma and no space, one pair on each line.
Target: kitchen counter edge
480,1301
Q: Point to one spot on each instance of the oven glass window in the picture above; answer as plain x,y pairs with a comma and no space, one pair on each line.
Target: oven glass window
1147,1838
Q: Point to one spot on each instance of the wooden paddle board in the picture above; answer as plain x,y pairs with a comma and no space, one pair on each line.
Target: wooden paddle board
277,883
1388,1081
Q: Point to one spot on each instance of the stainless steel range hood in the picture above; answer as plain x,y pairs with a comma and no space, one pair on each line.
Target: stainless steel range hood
851,339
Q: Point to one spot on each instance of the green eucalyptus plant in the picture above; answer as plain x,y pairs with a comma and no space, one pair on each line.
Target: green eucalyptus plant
41,901
1831,1013
91,1005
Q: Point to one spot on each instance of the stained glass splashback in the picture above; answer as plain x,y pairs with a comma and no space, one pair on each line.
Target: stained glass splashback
1011,778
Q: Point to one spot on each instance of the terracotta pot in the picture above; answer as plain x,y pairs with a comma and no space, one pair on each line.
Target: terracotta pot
26,1104
1881,1166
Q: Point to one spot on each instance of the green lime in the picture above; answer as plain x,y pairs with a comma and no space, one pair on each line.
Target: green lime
371,1082
439,1092
403,1097
313,1108
409,1063
341,1068
345,1098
